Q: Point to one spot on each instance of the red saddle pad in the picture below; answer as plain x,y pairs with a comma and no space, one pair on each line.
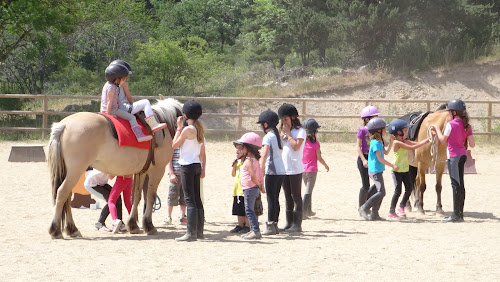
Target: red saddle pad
125,135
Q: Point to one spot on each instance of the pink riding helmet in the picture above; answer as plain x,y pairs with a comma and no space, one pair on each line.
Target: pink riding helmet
369,111
250,138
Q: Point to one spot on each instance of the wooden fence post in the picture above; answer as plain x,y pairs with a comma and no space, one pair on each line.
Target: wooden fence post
44,116
240,112
490,114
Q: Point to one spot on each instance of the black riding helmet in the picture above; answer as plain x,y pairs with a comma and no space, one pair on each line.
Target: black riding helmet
115,71
310,124
287,110
456,105
270,117
192,109
122,62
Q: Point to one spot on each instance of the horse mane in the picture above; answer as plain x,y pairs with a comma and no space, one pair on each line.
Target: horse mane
442,107
167,111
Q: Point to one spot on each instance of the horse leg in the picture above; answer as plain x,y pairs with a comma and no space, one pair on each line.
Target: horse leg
421,187
132,225
153,182
439,175
62,208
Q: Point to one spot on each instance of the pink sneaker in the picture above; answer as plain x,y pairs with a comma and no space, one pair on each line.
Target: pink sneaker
401,212
393,216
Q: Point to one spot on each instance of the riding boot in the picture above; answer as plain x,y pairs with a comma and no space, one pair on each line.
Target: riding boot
371,191
289,220
455,216
201,223
154,125
311,213
192,224
269,229
375,208
306,203
363,196
141,137
297,222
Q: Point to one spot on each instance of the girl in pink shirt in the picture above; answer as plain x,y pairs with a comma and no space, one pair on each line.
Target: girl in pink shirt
251,179
310,158
457,133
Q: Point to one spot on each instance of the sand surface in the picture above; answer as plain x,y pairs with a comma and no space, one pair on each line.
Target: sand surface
336,244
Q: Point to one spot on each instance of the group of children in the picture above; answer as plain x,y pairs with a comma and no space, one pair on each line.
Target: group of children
371,163
284,158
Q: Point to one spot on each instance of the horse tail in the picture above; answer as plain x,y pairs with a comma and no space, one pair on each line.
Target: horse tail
55,161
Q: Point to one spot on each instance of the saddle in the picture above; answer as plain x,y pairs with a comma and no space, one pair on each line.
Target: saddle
414,121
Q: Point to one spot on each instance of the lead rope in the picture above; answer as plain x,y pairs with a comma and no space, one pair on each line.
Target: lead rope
434,146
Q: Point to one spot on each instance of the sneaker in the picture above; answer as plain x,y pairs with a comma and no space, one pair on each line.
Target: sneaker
393,216
236,229
167,221
183,220
101,227
244,230
252,235
123,228
116,225
401,212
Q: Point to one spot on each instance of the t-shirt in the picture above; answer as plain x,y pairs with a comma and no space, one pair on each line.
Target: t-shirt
364,135
175,161
310,159
237,191
190,150
374,165
123,102
246,179
274,162
456,133
293,159
109,87
95,177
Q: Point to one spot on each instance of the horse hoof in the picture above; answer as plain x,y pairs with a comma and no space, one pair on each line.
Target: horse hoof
134,230
57,236
421,212
152,231
75,234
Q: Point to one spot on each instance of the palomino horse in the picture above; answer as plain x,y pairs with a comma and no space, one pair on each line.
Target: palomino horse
85,139
433,153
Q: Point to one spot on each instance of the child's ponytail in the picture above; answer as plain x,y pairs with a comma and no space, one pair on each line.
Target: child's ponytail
200,131
277,133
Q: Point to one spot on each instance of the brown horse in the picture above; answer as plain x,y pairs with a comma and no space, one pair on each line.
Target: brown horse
85,139
433,153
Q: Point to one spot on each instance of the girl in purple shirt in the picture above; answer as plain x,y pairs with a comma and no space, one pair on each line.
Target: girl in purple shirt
362,148
457,134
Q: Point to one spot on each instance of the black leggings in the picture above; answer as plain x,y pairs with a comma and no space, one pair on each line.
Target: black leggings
292,187
363,172
399,178
190,178
105,190
273,188
456,172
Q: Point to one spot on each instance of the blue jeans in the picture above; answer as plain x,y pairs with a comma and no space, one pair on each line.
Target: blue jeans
251,195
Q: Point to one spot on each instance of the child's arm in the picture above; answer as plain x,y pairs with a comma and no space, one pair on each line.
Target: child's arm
470,140
263,158
382,160
410,145
171,172
320,159
180,134
203,159
111,94
388,149
360,153
253,176
124,86
235,165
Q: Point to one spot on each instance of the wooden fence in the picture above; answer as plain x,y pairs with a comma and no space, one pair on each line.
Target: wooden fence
488,114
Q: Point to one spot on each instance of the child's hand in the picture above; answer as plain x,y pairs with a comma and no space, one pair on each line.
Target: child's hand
365,164
262,189
392,138
395,167
327,168
180,122
173,178
202,175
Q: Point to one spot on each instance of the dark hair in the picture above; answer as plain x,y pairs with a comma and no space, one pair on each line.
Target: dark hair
295,122
311,135
277,134
252,149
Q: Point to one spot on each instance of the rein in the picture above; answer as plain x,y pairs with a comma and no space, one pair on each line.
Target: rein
434,146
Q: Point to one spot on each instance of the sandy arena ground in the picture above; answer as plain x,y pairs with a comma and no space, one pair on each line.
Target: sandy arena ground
335,245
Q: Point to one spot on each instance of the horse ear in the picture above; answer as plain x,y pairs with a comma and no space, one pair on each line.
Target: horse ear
161,97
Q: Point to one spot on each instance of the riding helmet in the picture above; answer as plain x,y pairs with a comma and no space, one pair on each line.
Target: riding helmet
396,125
456,105
310,124
251,139
122,62
270,117
192,109
115,71
287,110
375,124
369,111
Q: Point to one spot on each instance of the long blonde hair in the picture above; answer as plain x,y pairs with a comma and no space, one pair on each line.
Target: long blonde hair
200,130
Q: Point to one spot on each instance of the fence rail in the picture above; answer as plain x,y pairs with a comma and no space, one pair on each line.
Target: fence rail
239,115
